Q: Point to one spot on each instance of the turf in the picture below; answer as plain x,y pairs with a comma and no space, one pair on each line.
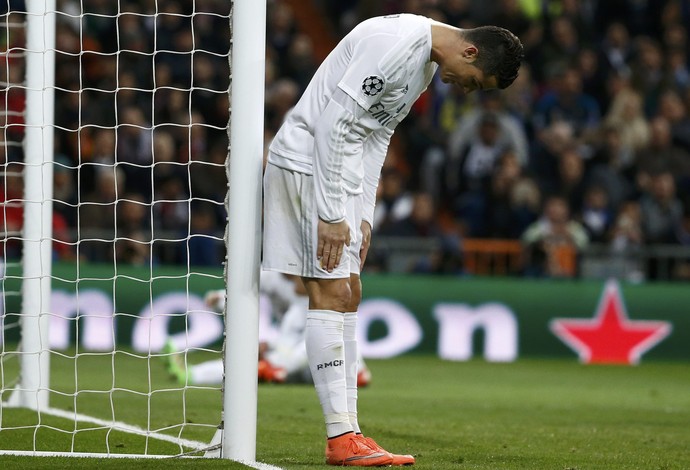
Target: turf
532,414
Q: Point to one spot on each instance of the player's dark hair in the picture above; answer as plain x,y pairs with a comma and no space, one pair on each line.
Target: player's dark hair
499,55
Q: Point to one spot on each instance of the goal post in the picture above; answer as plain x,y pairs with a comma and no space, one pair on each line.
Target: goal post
125,411
32,391
244,229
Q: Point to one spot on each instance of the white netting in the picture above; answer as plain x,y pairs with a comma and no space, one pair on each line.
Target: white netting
139,182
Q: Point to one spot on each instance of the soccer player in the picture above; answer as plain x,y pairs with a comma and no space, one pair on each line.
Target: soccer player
321,178
283,359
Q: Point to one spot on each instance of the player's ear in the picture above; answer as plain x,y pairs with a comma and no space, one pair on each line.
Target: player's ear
470,53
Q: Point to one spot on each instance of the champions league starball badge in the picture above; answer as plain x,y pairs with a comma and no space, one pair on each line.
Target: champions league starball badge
372,86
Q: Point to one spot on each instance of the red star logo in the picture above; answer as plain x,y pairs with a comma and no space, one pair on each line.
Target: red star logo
610,337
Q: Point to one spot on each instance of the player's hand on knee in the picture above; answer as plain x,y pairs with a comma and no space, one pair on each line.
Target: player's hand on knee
333,237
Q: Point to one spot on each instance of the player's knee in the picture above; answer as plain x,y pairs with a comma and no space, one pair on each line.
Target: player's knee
329,294
340,294
356,294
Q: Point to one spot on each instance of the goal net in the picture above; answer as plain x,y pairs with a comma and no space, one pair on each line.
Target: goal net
113,183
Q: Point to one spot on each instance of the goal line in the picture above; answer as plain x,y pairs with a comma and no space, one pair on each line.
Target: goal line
130,429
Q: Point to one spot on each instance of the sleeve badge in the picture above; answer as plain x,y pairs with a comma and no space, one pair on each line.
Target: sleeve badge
373,85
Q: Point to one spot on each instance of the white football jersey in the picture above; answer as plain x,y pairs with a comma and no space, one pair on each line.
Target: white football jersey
274,287
384,65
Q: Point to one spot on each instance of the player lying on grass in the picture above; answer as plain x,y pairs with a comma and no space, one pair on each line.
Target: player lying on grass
281,360
321,179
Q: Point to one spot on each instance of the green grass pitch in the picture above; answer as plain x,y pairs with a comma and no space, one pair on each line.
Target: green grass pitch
533,414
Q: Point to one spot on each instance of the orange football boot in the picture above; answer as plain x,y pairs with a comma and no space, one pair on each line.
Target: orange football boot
351,451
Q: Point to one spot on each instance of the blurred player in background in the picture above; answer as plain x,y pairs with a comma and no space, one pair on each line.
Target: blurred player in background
283,359
320,185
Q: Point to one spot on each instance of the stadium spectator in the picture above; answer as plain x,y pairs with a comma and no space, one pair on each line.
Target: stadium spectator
165,158
662,216
525,203
661,152
65,194
505,217
128,94
202,248
281,30
11,210
616,49
469,170
97,209
170,212
134,151
511,16
208,178
519,98
301,65
682,269
611,167
594,77
553,242
571,179
511,131
208,90
103,156
565,102
133,241
626,233
393,201
563,45
96,214
673,109
281,96
648,75
627,116
626,240
421,222
661,209
595,215
677,68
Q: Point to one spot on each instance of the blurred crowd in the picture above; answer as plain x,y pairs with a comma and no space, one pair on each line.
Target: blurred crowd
591,144
141,120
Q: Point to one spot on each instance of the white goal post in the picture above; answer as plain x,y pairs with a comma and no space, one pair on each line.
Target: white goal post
110,398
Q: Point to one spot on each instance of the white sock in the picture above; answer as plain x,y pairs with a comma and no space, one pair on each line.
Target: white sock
324,341
351,367
209,372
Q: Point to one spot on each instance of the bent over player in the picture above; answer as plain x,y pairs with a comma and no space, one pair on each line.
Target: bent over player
321,178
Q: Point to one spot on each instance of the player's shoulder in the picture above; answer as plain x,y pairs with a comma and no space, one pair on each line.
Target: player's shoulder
399,25
393,20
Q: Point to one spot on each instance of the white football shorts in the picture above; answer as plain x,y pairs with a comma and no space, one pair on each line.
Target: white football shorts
291,222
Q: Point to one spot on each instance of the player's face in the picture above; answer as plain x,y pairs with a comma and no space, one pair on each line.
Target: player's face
461,72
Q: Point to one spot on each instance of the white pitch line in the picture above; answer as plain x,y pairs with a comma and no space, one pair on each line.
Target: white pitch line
124,427
38,453
128,428
260,465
